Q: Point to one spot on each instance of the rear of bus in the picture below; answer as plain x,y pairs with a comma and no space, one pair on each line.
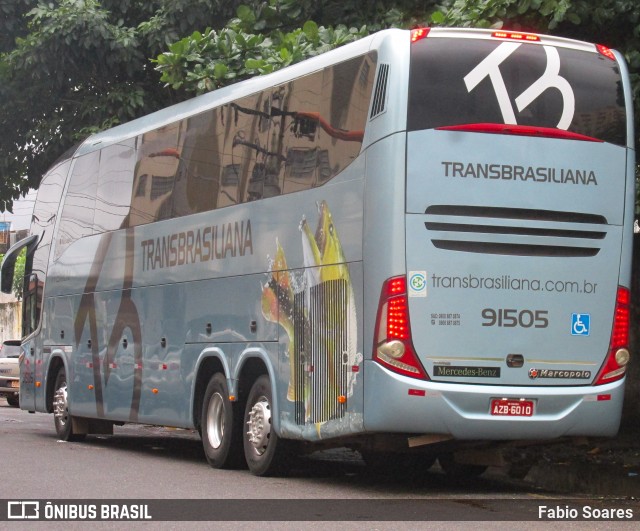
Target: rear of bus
512,319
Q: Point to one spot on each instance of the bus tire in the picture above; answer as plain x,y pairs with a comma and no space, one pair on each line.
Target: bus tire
13,401
264,451
221,426
61,417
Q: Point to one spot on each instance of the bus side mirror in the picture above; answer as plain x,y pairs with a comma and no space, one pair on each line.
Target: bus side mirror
9,263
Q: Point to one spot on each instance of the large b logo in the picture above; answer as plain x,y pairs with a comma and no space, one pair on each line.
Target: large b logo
551,78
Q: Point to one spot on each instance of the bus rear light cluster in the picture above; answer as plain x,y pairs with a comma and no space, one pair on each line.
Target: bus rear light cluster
615,365
393,347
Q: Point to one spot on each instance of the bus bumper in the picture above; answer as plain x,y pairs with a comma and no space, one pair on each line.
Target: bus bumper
398,404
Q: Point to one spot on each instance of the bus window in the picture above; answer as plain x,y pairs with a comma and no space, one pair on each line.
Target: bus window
439,95
157,166
346,93
197,189
79,202
113,197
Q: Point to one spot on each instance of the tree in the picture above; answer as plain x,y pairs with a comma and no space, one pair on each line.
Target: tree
72,67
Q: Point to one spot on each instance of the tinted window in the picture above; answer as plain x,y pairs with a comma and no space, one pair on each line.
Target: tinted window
155,174
79,202
285,139
113,199
457,81
196,189
42,224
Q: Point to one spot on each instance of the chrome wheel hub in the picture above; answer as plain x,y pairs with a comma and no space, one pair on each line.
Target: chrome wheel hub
259,425
60,405
215,420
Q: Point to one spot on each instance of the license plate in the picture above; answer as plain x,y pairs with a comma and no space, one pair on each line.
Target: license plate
14,383
512,407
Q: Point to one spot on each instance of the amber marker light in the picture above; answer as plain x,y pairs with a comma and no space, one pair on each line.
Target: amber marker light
342,399
38,384
516,36
155,390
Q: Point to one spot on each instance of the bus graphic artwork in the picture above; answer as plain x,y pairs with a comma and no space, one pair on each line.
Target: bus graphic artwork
316,308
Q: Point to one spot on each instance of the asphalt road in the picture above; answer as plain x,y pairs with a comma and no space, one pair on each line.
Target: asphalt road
147,464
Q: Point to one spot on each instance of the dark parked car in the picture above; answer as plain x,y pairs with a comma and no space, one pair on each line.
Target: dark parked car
10,371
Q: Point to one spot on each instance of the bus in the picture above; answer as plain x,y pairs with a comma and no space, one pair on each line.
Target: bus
415,246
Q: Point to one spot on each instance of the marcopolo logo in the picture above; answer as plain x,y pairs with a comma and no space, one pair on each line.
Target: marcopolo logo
417,284
562,374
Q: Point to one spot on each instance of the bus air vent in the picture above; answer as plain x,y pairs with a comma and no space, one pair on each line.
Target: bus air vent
320,364
515,231
380,92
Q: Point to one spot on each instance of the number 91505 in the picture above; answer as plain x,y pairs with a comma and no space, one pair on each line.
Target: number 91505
511,318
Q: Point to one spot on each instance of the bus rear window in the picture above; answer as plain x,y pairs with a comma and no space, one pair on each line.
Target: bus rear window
472,81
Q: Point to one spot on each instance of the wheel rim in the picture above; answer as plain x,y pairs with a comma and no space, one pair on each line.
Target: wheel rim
215,420
259,425
60,405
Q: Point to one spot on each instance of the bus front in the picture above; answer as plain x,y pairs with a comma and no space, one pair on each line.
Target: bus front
512,318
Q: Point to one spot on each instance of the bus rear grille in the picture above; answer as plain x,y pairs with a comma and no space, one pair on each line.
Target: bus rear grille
320,352
380,92
457,223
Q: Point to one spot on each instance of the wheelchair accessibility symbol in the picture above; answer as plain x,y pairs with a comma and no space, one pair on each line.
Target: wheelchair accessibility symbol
580,324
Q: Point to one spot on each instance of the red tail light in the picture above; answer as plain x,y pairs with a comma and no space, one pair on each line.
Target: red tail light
615,365
607,52
518,130
419,33
393,347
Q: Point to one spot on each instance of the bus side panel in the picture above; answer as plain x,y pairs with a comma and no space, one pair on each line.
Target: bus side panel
138,309
143,366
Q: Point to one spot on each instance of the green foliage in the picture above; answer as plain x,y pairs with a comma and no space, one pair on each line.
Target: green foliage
209,60
255,42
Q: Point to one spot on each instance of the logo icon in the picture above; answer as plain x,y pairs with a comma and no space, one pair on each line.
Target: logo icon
23,510
550,79
533,373
580,324
417,284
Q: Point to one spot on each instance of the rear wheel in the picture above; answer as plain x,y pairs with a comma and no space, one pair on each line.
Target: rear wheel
264,451
61,417
221,426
